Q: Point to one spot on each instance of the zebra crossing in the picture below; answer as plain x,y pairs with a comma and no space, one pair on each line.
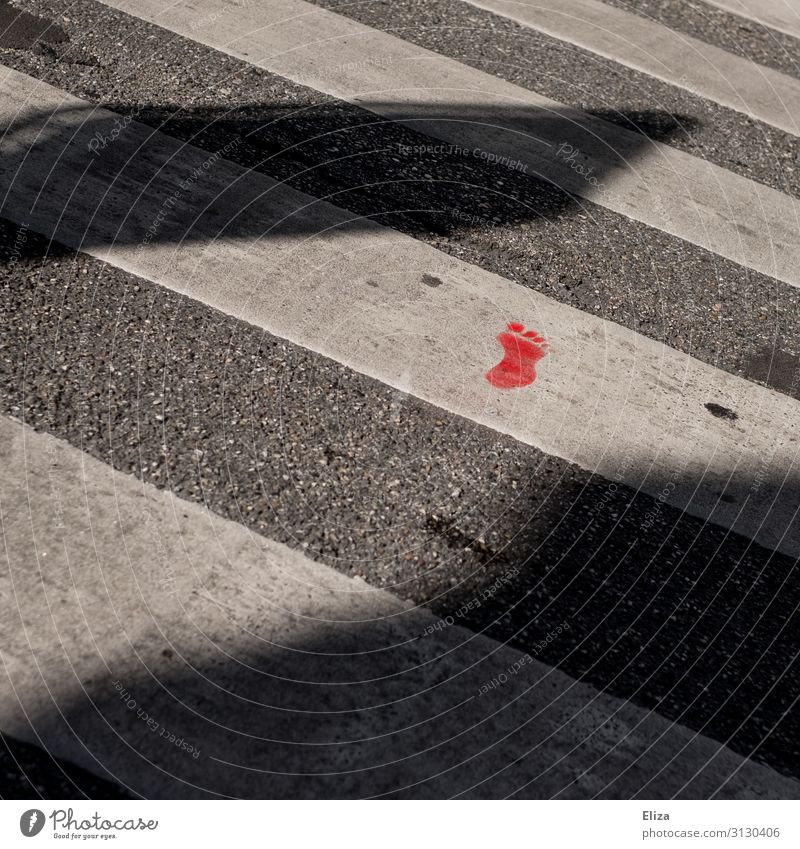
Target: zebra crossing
762,93
468,109
650,520
302,288
211,588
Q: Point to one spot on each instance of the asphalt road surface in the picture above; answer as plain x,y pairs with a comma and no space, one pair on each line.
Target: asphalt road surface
293,507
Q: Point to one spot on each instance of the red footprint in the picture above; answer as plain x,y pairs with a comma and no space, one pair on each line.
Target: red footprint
523,349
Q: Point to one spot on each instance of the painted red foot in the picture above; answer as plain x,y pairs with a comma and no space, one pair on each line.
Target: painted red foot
523,349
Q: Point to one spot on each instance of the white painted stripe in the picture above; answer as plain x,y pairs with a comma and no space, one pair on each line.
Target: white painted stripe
636,42
208,629
606,398
744,221
778,14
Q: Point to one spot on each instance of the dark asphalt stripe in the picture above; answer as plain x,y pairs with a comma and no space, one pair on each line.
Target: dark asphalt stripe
508,223
28,772
661,610
733,33
582,80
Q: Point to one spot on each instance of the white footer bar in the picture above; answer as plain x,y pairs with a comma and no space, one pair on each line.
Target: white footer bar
336,825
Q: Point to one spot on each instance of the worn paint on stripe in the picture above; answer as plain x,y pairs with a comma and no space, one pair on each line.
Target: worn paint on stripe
606,398
777,14
702,203
639,43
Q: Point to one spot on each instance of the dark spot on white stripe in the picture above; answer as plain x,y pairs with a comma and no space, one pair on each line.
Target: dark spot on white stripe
721,412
